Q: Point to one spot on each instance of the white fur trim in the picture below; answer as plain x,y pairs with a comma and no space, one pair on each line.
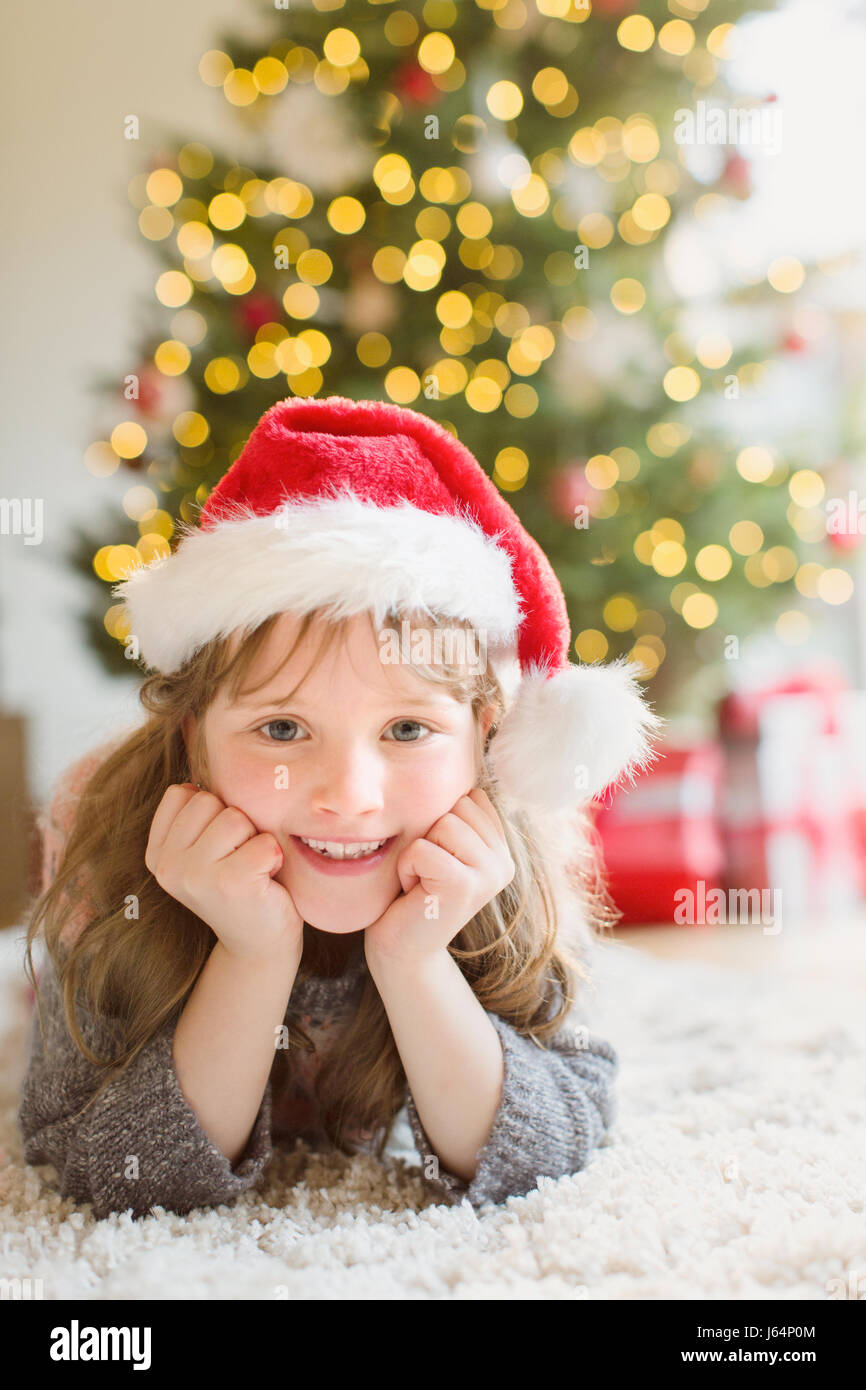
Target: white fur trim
339,553
567,737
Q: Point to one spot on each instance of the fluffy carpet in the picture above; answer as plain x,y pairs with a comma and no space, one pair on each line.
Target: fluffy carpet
736,1168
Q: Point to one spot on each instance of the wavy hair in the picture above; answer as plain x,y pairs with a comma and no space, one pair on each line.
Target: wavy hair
523,954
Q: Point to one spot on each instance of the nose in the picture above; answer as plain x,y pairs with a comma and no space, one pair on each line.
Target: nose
349,782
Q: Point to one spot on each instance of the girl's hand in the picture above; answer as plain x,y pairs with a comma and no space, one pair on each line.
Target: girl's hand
211,858
447,876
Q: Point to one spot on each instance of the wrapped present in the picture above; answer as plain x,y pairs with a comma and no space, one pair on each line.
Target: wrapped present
794,805
661,838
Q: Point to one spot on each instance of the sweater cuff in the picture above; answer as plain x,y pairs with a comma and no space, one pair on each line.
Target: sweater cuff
555,1103
178,1173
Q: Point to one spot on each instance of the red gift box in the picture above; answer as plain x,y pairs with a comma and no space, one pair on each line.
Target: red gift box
662,835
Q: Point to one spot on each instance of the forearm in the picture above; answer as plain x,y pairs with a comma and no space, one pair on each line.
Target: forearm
223,1046
450,1052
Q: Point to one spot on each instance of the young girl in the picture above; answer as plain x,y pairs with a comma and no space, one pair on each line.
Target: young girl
343,865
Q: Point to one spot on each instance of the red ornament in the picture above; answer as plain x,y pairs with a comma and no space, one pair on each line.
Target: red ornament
737,176
256,309
150,391
568,489
794,342
416,85
844,540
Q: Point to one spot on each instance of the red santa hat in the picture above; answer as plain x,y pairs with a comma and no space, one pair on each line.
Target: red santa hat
353,506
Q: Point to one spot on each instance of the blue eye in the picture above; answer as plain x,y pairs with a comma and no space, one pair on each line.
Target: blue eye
413,723
272,722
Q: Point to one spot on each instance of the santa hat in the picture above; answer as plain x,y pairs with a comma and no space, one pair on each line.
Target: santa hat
353,506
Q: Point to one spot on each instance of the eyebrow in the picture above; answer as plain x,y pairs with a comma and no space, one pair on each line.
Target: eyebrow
413,702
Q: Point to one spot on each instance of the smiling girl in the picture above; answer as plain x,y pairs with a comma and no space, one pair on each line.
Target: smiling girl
317,884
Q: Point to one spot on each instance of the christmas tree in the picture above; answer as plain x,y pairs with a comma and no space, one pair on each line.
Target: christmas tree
467,207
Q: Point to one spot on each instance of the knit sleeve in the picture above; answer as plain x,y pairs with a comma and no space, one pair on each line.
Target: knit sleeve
556,1102
140,1144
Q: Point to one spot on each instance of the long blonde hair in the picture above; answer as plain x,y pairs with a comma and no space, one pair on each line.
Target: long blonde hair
522,954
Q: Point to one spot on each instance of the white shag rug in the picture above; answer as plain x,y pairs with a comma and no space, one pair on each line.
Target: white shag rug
736,1168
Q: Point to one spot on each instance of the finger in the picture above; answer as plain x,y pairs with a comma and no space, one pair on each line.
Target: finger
174,799
485,821
433,866
453,834
227,831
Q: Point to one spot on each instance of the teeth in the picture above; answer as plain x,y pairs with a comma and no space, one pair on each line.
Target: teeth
332,850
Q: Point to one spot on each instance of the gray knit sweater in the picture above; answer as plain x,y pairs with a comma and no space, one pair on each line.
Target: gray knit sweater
556,1102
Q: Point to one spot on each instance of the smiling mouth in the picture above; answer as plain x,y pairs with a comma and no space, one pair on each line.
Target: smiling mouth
336,849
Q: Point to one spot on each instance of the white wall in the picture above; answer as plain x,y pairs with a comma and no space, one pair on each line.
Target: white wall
73,265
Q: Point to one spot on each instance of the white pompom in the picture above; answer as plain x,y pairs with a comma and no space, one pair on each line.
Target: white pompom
566,737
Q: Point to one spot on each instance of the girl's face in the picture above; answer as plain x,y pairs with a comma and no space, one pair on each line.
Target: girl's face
365,751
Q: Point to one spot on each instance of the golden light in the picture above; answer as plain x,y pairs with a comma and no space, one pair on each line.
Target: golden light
669,558
667,529
640,140
681,383
300,301
172,358
374,349
346,215
139,500
755,463
835,586
786,274
720,41
713,349
628,296
393,175
262,361
700,610
270,76
780,564
230,263
190,429
388,263
601,471
128,440
587,146
550,86
155,223
636,33
194,240
627,461
226,211
341,47
651,211
591,645
595,230
806,579
214,67
713,562
473,220
746,537
521,400
505,101
806,487
222,375
121,560
454,309
173,288
240,87
511,466
620,613
402,385
314,267
100,459
436,54
579,323
676,37
164,187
